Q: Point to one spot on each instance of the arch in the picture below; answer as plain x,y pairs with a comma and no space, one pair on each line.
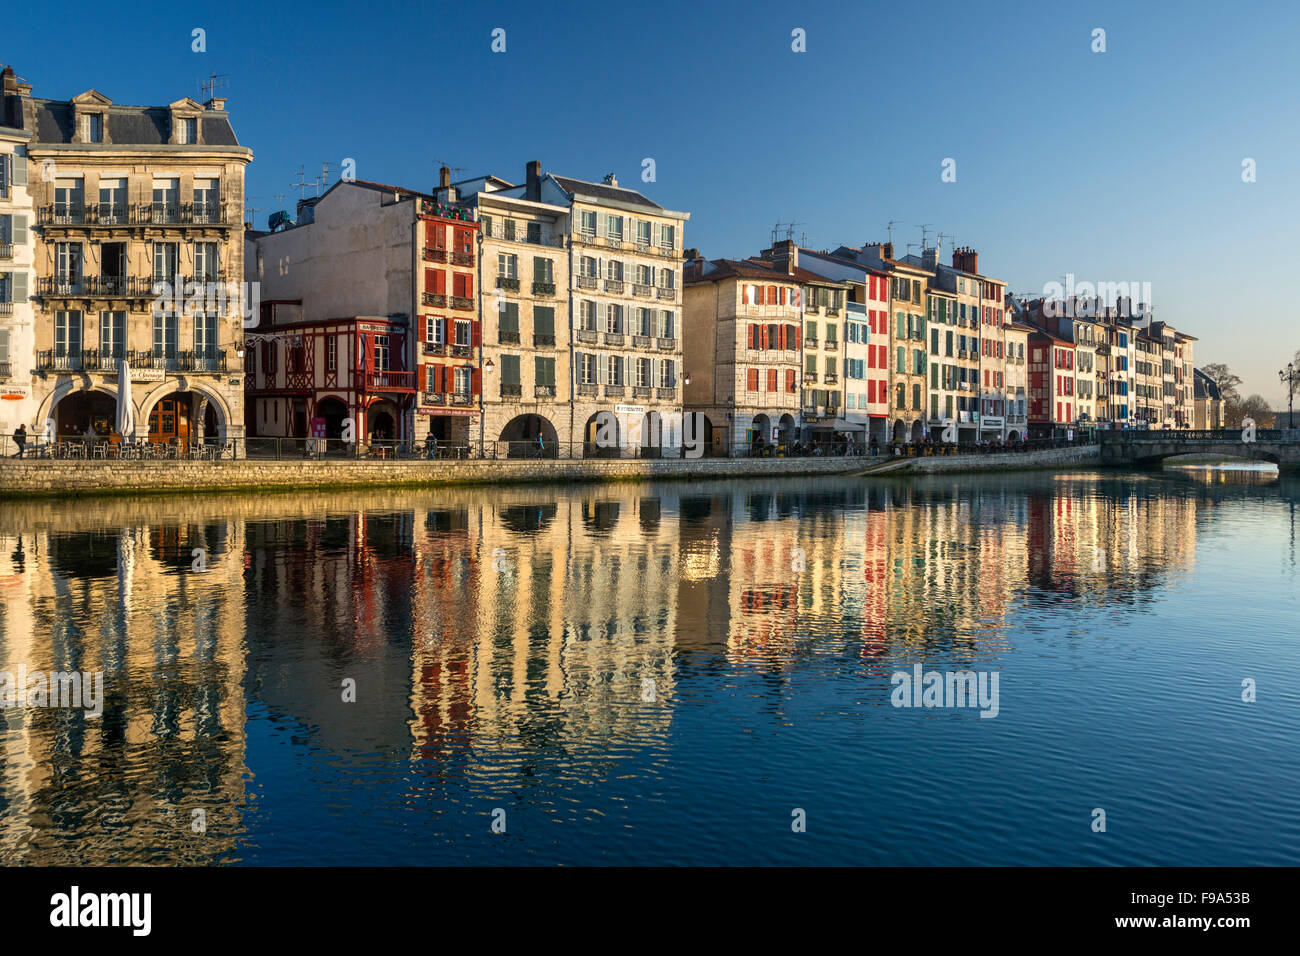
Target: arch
170,386
47,405
522,432
601,437
917,432
652,434
787,429
761,430
334,410
1013,435
900,431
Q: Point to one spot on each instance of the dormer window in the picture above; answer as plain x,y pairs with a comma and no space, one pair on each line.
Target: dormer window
188,131
95,128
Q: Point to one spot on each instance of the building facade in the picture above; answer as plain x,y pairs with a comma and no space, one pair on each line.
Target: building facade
17,255
137,260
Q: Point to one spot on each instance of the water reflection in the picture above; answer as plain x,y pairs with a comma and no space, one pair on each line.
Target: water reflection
535,648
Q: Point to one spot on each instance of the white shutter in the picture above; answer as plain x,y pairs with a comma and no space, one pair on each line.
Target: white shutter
20,287
18,170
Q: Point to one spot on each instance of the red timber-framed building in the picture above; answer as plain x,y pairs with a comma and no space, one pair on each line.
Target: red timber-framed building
449,329
298,371
1052,402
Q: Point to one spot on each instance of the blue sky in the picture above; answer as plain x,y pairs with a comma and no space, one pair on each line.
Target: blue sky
1115,166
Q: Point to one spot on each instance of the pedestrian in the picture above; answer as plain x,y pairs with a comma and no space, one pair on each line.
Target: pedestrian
541,446
20,439
431,443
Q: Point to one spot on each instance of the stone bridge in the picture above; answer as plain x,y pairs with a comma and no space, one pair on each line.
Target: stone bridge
1143,448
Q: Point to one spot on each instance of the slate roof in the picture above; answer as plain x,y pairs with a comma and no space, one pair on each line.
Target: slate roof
765,270
127,125
604,191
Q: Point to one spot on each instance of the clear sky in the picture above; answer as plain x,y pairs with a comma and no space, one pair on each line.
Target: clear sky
1117,166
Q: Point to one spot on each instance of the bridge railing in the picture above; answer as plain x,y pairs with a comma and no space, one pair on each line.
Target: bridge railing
1186,435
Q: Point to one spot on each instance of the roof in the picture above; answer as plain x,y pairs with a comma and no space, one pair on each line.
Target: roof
127,125
603,191
762,269
1205,387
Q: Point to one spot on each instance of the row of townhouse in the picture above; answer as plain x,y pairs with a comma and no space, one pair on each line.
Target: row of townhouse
550,316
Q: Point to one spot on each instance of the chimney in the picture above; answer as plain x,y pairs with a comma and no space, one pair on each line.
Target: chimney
610,180
217,104
533,178
785,254
690,254
930,259
444,178
886,250
966,259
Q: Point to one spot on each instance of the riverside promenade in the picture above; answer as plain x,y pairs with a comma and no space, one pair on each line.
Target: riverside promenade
28,478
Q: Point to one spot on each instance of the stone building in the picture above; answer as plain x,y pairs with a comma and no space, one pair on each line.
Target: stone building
137,259
17,325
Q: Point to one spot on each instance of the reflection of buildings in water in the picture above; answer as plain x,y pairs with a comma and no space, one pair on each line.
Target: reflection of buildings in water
122,787
548,617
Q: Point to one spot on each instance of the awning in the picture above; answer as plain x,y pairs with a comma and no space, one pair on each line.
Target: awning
840,425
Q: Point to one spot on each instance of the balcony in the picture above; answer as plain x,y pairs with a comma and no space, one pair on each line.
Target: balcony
669,392
506,282
962,354
432,348
830,378
544,340
509,390
460,302
4,369
588,282
435,299
462,398
613,338
642,391
6,307
113,215
666,294
543,288
433,398
613,285
52,360
644,291
508,338
6,250
831,345
462,351
810,343
56,287
588,388
666,345
642,341
462,258
810,376
587,335
386,380
614,391
434,255
544,391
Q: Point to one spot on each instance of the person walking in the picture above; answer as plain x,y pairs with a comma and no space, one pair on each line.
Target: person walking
20,439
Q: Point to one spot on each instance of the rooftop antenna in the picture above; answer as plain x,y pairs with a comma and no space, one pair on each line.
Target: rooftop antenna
923,227
944,235
789,232
279,202
302,181
909,247
450,167
889,228
326,168
251,211
214,82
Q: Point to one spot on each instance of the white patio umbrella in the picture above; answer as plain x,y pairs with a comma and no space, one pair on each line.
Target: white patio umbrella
125,410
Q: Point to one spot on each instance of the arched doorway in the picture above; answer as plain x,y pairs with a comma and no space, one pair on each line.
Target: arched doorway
787,430
333,411
900,431
530,436
381,421
760,435
918,432
80,413
1013,435
652,435
600,436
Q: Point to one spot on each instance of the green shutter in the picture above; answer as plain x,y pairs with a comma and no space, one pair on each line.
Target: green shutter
20,287
510,318
509,369
544,370
543,320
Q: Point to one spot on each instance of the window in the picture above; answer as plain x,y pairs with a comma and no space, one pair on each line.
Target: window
205,262
614,319
588,267
510,370
381,353
462,285
67,333
507,266
643,233
206,202
112,200
165,327
644,275
187,130
509,225
614,370
112,334
587,223
643,379
535,233
462,381
67,263
69,196
465,241
544,322
587,368
463,331
433,330
642,326
614,270
667,374
587,315
509,322
667,236
666,324
543,270
165,256
166,200
544,372
205,335
331,354
614,227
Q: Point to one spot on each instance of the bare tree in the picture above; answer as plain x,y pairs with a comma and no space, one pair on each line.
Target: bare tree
1222,376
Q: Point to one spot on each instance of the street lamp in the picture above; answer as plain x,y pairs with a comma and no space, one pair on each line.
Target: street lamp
1288,376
